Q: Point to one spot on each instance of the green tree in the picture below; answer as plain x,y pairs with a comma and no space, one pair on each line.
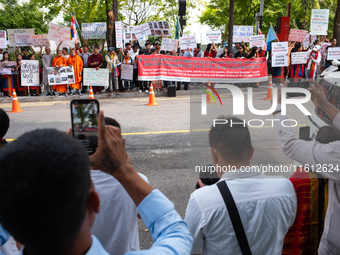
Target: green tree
25,15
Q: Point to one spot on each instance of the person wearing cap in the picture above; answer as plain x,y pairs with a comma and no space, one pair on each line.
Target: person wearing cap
314,58
112,64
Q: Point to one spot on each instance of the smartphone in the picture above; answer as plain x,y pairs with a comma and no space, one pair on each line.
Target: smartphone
304,133
84,117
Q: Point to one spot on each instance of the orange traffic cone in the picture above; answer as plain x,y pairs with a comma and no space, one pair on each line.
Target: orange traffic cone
91,96
15,103
270,89
209,99
152,98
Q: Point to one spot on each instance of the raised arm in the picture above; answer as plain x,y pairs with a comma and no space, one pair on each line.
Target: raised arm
169,231
16,50
59,46
40,53
33,52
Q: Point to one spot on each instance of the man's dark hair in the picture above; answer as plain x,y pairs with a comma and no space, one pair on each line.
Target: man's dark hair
96,45
141,52
112,122
23,48
65,49
4,123
152,50
44,187
162,52
146,44
328,134
231,140
127,44
198,46
333,39
126,52
135,46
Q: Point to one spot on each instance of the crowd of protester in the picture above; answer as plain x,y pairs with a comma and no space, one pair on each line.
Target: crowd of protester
85,57
56,199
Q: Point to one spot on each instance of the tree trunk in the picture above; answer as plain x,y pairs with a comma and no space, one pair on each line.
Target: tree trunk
111,17
231,26
336,27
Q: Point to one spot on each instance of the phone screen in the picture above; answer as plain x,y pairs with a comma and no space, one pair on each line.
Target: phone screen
304,133
84,115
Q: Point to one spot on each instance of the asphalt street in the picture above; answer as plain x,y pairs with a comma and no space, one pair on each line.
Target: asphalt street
158,139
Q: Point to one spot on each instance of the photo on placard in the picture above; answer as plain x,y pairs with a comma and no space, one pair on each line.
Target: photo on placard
69,70
51,79
70,78
160,24
152,32
2,34
155,25
64,79
63,70
150,25
50,70
165,32
57,79
128,36
166,24
158,32
133,36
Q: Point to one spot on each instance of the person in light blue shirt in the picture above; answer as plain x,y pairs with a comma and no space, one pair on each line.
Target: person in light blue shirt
49,202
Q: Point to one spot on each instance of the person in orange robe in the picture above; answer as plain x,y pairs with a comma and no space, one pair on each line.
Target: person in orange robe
58,62
77,63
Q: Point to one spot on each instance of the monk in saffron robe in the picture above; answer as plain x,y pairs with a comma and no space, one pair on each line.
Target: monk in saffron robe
77,63
59,61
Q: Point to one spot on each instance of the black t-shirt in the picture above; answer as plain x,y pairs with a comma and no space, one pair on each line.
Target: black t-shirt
240,55
147,52
25,57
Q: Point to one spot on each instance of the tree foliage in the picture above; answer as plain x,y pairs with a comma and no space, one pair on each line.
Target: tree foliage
25,15
216,12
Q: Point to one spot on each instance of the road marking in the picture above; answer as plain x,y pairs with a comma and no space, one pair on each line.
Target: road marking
175,131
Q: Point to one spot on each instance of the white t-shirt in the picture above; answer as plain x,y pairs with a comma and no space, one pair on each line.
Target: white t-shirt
116,224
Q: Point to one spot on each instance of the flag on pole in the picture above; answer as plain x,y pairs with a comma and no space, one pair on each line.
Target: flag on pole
73,29
178,29
271,36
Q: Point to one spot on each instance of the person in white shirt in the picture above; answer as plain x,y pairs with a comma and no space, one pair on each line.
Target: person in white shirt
117,235
313,60
133,54
322,158
266,204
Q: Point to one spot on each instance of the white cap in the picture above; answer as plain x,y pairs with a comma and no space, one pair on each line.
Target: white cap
316,47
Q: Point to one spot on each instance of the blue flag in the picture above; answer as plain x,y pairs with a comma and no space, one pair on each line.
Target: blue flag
270,37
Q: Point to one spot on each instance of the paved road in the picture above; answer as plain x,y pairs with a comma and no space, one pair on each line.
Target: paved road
158,138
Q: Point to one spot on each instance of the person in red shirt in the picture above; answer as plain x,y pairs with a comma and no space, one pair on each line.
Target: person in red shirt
262,53
226,53
96,61
210,51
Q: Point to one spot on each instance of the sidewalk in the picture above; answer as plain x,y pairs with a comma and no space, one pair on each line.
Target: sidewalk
134,94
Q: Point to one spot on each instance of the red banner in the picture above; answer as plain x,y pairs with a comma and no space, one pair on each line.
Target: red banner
170,68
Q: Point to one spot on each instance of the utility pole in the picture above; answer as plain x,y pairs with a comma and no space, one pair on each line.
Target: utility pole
231,26
259,17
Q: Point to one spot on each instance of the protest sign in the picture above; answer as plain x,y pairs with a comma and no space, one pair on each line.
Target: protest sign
8,68
127,72
257,40
23,40
323,50
213,37
169,44
160,28
60,76
296,35
306,42
30,73
319,21
142,30
93,77
3,40
11,34
188,42
59,33
93,30
280,54
333,53
40,41
171,68
298,58
242,33
119,34
279,60
280,48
